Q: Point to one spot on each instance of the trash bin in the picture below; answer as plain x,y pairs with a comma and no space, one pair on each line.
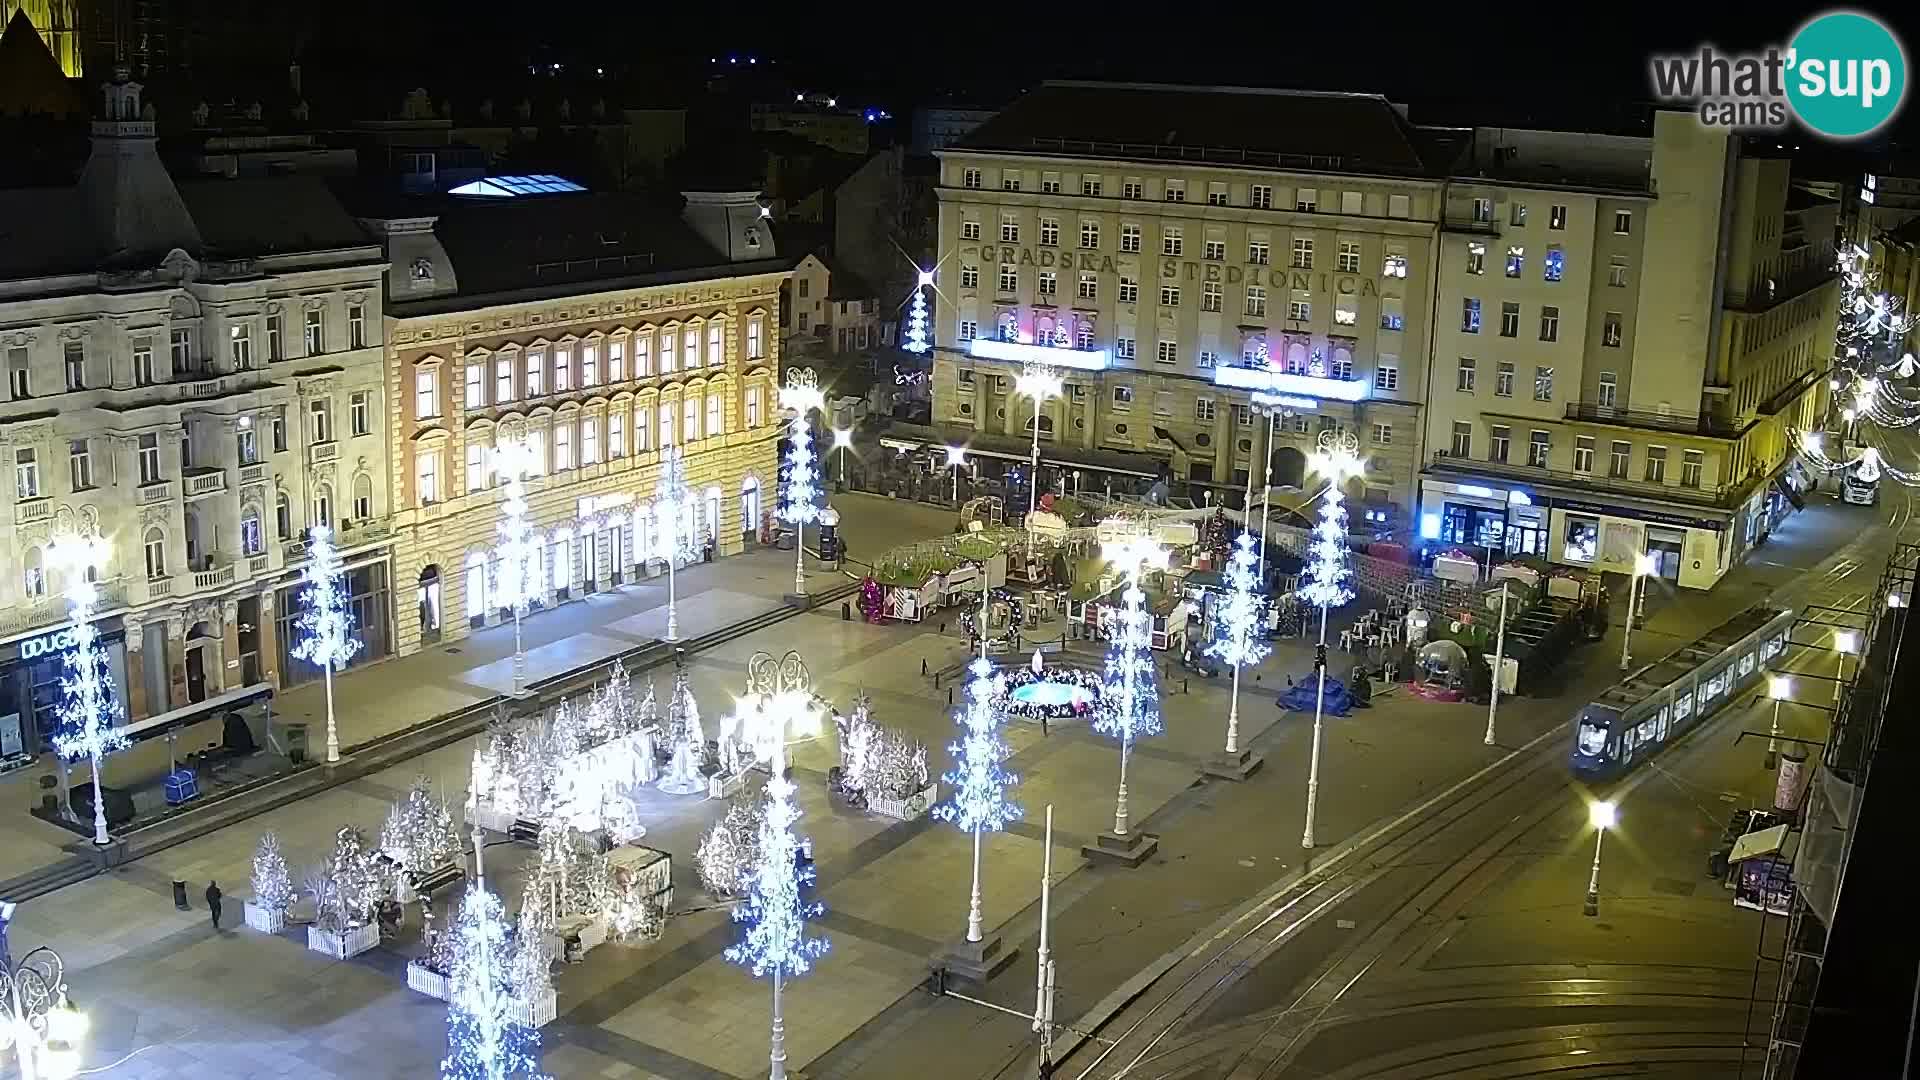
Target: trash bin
297,743
179,894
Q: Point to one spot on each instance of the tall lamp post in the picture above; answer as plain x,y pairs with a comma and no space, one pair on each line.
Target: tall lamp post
517,550
843,442
1499,665
1037,381
42,1026
1337,459
1239,639
1603,816
676,533
801,395
1845,642
89,714
1275,412
956,457
326,626
1129,689
1643,565
1779,688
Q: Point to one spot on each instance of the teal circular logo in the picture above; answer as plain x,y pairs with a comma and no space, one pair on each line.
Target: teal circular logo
1847,74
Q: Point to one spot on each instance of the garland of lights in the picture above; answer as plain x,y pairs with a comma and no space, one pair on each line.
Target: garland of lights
484,1041
978,780
326,626
800,506
1328,571
916,337
89,714
1238,618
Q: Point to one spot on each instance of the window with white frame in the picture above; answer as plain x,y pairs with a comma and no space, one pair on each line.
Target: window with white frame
253,540
426,393
1583,453
426,476
1394,263
690,418
756,337
475,375
1393,314
154,546
1483,210
1122,397
179,351
970,178
26,473
1609,387
1124,347
1476,258
240,346
969,329
1623,222
1503,379
360,412
589,440
80,464
562,369
316,331
1210,296
1259,252
1470,315
1692,465
1009,278
1656,464
970,230
320,420
1260,196
476,466
1555,265
1620,460
1539,448
1168,352
1176,191
1129,290
1556,217
1089,234
1009,229
1049,232
1089,288
1009,181
357,326
1169,296
642,428
716,343
1516,260
147,456
1386,374
1050,183
1499,441
589,364
1299,308
1462,439
1349,258
1549,324
1257,301
276,337
1133,189
1383,434
1083,335
536,380
562,445
1049,283
1465,374
1203,410
716,415
1509,319
1171,240
503,380
1090,186
1610,332
1306,200
616,360
144,372
1216,193
1213,250
1617,271
1302,253
1207,360
1129,239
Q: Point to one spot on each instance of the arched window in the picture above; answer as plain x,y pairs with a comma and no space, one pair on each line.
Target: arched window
35,577
155,545
253,540
476,588
362,497
750,506
716,336
713,515
1009,325
1296,359
322,505
282,515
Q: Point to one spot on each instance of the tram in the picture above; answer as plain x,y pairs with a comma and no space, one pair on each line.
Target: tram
1654,705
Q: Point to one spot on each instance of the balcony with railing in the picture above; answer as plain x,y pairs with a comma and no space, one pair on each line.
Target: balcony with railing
157,492
33,511
1703,424
200,482
216,572
1718,496
321,453
253,474
51,610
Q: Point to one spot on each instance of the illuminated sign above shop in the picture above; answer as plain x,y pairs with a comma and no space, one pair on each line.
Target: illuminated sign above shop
1281,382
1019,352
47,644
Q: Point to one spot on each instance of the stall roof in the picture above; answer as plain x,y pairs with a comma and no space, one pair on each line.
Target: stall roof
192,714
1765,842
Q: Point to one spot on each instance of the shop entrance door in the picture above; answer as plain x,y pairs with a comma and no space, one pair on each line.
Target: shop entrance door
1666,547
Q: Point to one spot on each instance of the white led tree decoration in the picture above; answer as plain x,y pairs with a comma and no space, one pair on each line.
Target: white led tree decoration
1238,640
686,740
676,526
1328,574
798,506
326,627
1038,382
1130,706
518,554
484,1040
775,914
916,341
979,779
89,715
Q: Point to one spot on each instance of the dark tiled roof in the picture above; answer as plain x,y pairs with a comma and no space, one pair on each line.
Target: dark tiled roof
269,215
1361,133
44,231
542,240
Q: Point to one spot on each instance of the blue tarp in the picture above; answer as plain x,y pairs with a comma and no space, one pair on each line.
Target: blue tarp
1299,697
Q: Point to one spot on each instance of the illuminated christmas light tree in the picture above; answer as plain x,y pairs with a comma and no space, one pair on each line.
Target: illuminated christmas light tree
89,714
325,626
979,780
676,526
1328,574
798,504
484,1041
917,341
1130,701
1238,626
518,552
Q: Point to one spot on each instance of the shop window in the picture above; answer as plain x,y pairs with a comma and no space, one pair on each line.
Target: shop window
1582,539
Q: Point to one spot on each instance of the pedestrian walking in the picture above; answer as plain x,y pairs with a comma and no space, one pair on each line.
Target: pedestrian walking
213,903
1043,723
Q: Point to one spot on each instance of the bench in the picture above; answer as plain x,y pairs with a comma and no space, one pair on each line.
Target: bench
437,878
523,831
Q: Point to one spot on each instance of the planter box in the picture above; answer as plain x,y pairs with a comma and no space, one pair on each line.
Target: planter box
725,787
426,981
265,919
343,946
543,1011
917,805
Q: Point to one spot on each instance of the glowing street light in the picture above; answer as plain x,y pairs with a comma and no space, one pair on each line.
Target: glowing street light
1603,817
1845,642
1039,382
1643,565
956,457
1779,688
1499,666
843,442
1327,573
41,1024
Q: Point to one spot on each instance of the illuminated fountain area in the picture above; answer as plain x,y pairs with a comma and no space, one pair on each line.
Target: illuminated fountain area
1054,692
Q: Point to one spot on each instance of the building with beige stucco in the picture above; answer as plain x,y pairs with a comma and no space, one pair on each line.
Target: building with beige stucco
599,329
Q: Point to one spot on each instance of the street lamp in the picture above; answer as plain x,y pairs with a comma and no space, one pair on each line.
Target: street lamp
956,457
801,394
1499,665
517,550
1845,642
1779,688
42,1026
1338,460
1603,817
1643,564
1038,382
843,442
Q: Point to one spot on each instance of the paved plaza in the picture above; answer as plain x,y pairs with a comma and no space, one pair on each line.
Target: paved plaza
171,998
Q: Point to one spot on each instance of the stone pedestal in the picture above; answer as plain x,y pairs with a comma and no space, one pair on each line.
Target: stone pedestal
1236,766
1130,850
975,961
801,601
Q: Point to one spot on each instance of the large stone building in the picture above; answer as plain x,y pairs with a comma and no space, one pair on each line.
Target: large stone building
1626,331
192,372
597,328
1178,250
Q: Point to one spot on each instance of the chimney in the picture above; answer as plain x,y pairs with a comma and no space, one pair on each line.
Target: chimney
735,223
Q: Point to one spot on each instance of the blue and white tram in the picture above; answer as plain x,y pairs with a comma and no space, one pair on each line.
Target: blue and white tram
1655,704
